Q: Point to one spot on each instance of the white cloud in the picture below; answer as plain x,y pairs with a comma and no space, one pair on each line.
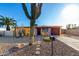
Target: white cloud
69,15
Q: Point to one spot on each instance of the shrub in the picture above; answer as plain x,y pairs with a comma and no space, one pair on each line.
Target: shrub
46,39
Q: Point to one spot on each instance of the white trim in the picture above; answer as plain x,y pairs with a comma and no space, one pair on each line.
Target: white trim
49,31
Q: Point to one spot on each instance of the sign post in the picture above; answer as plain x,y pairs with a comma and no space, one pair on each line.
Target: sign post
52,39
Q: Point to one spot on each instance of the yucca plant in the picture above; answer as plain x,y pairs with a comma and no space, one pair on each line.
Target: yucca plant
35,13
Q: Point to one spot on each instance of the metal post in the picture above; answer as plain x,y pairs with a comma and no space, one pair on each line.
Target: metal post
52,47
52,39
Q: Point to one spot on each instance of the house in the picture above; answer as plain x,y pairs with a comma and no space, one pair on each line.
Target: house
48,30
41,30
26,30
4,32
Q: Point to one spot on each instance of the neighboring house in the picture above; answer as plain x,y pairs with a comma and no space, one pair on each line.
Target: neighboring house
73,31
4,32
41,30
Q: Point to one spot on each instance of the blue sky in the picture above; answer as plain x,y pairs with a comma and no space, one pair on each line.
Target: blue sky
52,14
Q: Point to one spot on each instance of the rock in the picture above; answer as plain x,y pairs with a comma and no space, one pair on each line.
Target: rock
20,45
38,42
37,52
37,46
30,44
38,49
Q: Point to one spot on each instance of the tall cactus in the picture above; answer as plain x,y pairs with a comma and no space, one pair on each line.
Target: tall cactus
35,13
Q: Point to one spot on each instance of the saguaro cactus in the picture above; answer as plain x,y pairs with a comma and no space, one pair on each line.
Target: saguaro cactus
35,13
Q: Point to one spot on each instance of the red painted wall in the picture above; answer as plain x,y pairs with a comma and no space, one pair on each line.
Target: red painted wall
55,31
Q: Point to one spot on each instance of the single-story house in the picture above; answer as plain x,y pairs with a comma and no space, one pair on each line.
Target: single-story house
41,30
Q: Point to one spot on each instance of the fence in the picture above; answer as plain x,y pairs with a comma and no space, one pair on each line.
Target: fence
74,31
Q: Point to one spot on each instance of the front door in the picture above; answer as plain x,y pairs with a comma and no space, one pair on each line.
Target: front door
38,31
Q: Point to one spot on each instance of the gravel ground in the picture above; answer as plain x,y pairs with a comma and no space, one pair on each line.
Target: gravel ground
4,47
59,49
30,50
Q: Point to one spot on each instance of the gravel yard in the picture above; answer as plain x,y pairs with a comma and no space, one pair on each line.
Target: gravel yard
4,47
59,49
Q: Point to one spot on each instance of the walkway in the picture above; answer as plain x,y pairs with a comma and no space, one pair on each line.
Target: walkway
74,43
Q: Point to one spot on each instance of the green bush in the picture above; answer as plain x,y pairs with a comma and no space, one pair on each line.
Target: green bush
46,39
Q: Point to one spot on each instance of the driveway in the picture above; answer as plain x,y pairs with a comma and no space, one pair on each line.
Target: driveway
74,43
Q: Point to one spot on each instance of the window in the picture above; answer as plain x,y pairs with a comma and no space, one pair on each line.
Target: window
45,30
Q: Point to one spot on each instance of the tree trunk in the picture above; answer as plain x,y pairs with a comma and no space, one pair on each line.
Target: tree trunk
8,28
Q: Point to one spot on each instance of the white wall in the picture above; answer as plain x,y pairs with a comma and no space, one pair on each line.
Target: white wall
2,29
49,31
6,33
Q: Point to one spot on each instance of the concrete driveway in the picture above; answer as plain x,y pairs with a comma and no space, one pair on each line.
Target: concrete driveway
74,43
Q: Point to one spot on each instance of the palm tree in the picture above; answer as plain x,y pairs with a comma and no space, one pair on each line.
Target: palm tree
35,13
1,22
7,22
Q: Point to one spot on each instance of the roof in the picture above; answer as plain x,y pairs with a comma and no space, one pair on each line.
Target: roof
42,26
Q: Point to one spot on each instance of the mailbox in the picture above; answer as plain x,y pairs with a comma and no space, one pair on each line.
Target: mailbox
52,38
